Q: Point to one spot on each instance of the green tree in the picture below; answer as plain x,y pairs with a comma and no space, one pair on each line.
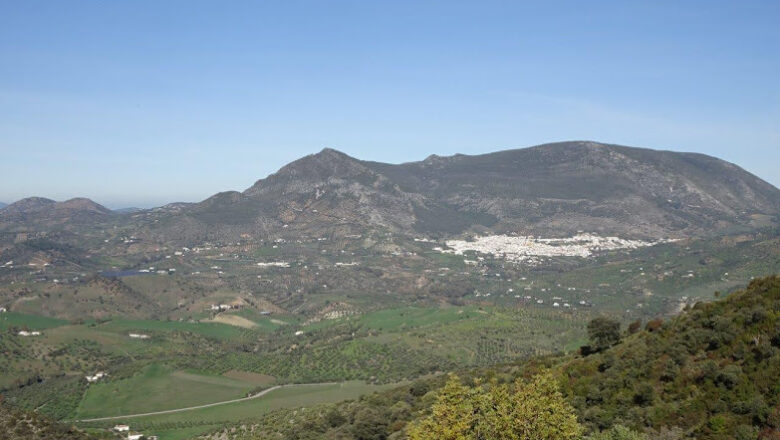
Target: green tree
526,411
370,424
518,411
452,416
603,333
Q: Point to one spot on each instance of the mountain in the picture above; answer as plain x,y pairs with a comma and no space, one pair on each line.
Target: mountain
552,189
3,205
39,211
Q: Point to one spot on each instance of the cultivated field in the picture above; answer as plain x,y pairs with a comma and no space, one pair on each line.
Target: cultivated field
186,424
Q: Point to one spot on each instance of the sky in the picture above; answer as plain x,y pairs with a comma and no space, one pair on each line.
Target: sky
142,103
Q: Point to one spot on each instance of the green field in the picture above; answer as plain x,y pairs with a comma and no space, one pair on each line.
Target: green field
410,317
208,329
32,322
157,388
187,424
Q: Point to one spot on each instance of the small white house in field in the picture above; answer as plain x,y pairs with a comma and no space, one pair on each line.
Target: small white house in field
121,428
26,333
138,336
220,307
299,332
134,436
96,377
3,310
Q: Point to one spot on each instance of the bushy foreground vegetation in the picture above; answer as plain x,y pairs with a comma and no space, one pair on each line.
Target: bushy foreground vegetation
519,410
712,373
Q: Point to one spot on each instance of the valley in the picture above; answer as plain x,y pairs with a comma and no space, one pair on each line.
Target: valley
335,278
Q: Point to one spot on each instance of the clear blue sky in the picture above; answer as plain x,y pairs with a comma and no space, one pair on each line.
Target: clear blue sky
148,102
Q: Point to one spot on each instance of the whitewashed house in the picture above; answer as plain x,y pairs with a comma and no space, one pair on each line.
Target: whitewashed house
96,377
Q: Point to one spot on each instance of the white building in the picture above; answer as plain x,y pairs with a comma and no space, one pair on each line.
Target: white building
121,428
96,377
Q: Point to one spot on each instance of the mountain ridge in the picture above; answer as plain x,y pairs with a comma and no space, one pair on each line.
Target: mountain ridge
550,189
561,187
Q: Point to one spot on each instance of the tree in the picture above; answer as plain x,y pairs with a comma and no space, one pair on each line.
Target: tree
370,424
527,411
334,418
452,416
603,333
518,411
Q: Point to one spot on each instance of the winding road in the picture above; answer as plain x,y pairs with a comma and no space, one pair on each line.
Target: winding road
189,408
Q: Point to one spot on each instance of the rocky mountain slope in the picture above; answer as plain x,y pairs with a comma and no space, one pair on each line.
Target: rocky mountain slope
552,189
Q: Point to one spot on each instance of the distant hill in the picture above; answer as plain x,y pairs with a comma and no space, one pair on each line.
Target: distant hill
3,205
39,211
549,189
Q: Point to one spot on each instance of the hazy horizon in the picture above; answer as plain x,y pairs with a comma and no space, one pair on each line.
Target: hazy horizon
146,103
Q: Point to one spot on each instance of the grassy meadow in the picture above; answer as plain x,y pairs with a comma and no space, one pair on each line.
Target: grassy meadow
186,424
157,388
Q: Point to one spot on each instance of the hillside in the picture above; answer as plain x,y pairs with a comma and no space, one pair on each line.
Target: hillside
376,228
20,425
711,373
552,189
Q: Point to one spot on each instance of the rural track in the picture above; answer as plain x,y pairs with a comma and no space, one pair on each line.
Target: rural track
189,408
